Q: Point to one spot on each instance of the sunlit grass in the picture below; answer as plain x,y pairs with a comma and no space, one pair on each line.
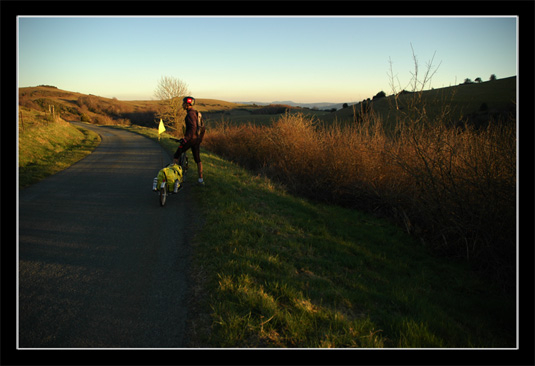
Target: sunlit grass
47,147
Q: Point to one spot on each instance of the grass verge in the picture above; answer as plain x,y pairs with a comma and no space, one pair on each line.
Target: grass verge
283,272
273,270
45,149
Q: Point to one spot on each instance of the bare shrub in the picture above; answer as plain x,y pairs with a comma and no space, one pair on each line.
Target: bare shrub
454,188
90,102
103,120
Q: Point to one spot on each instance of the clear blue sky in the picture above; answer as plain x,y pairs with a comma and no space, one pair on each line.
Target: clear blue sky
303,59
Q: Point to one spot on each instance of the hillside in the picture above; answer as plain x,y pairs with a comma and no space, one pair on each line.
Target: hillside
73,106
476,102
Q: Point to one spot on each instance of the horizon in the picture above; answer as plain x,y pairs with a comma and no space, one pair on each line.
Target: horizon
252,101
296,103
304,59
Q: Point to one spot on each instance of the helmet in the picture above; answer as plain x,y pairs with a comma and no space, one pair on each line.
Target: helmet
189,100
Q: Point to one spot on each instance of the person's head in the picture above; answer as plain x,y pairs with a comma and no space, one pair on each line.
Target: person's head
188,102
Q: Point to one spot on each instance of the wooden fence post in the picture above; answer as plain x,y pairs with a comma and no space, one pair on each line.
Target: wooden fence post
21,120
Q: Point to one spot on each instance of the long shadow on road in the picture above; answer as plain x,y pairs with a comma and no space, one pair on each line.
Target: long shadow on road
101,264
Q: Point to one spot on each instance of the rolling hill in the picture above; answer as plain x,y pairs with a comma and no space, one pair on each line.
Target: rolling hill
475,102
75,106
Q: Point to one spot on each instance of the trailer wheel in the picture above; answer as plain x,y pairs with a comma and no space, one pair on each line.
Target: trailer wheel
163,195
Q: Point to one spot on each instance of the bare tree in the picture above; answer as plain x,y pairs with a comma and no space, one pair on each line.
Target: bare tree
414,105
419,83
170,91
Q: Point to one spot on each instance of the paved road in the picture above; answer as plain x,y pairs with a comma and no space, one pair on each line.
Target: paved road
101,264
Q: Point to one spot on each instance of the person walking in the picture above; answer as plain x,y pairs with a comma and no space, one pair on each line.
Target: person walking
192,137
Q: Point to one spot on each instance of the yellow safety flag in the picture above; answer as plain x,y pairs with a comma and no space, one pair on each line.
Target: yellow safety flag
161,129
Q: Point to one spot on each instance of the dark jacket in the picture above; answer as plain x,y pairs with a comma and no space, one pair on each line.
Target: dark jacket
191,125
190,136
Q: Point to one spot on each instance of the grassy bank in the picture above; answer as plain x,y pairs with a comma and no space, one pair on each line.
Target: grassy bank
279,271
48,145
273,270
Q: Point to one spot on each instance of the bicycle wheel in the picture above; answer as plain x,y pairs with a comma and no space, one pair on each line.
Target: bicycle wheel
163,195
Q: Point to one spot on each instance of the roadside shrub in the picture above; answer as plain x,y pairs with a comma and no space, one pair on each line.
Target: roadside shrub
454,188
103,120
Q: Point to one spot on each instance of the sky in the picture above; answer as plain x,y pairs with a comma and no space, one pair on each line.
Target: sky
264,59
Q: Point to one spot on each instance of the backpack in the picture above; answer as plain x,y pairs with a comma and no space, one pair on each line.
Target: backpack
200,126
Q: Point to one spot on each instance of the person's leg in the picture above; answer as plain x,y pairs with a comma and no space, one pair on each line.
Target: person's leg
199,169
197,157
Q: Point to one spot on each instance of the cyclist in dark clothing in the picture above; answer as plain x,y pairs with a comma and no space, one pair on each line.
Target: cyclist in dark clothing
192,138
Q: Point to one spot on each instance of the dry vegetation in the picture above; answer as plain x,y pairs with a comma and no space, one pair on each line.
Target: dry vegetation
72,106
454,187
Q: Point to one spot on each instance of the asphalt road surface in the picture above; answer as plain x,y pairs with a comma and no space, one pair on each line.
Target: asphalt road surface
101,264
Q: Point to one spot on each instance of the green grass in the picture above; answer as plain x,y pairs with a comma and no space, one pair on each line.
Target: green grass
285,272
47,148
273,270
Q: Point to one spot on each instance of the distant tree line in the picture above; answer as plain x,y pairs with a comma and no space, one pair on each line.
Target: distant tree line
365,105
478,80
